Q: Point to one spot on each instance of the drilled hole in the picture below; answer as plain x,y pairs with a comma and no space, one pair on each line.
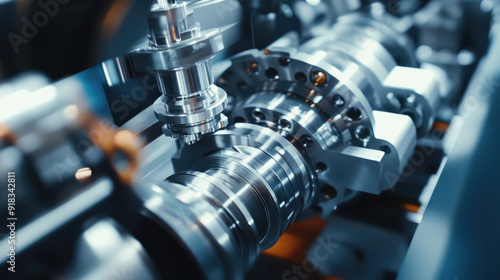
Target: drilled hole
285,124
306,140
362,133
328,191
259,115
318,78
284,61
300,77
272,73
320,167
354,114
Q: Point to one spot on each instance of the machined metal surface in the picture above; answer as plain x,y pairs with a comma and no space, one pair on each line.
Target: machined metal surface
190,105
349,122
319,107
360,51
243,187
178,52
305,135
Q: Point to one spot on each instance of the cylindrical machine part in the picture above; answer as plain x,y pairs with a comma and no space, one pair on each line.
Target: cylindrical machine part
237,190
186,81
360,49
191,105
365,50
247,188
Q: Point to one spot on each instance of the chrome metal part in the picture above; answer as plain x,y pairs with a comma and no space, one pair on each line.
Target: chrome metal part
317,107
311,138
359,48
243,187
178,52
190,105
343,117
366,50
332,97
417,97
315,123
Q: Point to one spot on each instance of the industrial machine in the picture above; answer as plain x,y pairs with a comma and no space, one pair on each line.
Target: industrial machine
293,139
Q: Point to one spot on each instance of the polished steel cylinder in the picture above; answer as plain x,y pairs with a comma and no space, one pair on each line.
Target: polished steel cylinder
313,141
186,81
247,186
190,105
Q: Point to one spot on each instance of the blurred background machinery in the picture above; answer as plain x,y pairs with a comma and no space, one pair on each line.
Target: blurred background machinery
293,139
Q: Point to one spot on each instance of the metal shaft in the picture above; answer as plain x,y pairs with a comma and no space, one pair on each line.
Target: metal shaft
247,188
314,140
191,105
